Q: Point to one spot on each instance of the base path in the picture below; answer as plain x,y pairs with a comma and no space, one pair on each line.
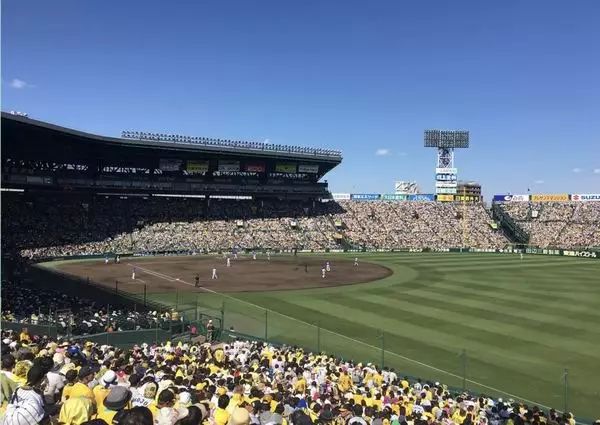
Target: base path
163,274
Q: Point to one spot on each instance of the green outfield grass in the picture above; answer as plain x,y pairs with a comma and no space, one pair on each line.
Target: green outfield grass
521,323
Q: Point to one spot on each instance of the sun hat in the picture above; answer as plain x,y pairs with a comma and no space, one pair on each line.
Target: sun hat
108,378
117,398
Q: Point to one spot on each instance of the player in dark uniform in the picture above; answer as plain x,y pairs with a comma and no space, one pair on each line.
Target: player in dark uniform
305,267
197,280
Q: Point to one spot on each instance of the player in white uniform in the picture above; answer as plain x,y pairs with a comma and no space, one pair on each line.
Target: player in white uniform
118,259
268,255
228,262
355,261
327,267
133,274
105,260
323,273
521,256
214,274
253,255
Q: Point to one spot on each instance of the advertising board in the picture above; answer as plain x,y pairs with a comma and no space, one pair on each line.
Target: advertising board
429,197
445,198
445,190
364,196
510,198
447,177
446,170
394,197
586,197
169,164
445,184
228,165
255,167
551,197
467,198
285,167
308,168
196,167
341,196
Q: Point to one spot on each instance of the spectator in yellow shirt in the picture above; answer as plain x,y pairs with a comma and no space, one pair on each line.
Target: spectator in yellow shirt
221,415
71,377
76,410
117,400
108,380
81,388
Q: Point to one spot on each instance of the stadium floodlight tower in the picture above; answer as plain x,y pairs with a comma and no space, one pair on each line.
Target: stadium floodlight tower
445,173
446,141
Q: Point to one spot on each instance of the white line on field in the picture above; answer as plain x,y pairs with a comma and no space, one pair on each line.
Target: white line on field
172,279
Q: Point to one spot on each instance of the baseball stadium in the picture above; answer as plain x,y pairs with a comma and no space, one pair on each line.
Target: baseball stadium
205,259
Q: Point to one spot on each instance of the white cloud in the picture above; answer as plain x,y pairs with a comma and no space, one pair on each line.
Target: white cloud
267,141
577,170
19,84
382,152
596,170
539,182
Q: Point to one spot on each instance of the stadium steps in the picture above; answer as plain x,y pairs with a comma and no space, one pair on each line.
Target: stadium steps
513,231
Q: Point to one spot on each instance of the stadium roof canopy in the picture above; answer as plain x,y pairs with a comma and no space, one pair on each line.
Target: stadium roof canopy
25,134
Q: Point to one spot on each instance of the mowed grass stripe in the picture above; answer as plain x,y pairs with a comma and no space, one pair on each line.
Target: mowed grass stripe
401,327
583,311
503,290
488,331
486,308
579,281
365,325
468,300
515,265
431,279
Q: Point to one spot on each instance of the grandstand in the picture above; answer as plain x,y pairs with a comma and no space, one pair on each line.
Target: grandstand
403,291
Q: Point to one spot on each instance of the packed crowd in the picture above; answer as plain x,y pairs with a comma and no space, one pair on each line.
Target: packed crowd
388,225
558,224
241,383
72,226
74,315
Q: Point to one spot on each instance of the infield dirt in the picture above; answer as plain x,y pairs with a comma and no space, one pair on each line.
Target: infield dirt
165,274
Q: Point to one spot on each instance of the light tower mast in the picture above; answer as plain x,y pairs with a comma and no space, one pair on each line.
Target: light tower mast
445,141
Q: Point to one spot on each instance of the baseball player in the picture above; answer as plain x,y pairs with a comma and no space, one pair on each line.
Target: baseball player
323,273
253,255
133,274
521,255
327,266
118,259
268,255
197,280
106,260
228,262
214,274
355,261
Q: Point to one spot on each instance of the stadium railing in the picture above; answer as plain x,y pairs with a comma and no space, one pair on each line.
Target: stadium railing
49,330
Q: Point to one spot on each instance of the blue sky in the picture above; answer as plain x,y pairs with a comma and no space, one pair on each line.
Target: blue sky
364,77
